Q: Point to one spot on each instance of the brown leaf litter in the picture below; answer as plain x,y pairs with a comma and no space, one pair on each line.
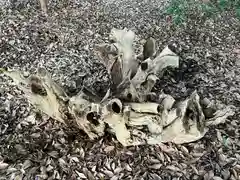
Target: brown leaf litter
63,42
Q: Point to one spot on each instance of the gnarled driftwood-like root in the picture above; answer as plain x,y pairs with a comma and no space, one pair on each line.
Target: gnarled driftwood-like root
134,114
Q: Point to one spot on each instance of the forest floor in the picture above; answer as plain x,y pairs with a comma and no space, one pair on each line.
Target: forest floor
32,146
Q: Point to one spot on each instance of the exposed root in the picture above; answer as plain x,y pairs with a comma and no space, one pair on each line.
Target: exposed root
134,114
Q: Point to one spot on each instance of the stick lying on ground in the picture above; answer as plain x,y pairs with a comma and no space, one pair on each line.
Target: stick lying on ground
133,113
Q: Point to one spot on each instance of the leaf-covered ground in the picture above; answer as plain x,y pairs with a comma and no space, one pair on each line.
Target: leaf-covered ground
32,146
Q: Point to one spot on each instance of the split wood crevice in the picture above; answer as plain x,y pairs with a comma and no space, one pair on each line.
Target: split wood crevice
129,110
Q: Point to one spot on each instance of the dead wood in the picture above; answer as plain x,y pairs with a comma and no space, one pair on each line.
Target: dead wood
133,113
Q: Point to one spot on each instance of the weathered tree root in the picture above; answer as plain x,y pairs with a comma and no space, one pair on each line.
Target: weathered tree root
133,113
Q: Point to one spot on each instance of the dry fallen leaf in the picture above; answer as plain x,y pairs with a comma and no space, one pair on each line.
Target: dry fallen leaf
109,149
155,166
3,165
216,178
81,175
18,47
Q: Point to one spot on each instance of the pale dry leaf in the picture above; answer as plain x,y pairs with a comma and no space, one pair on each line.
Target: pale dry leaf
173,168
109,149
20,149
19,177
161,157
167,149
113,166
209,175
220,116
31,119
114,178
168,159
197,154
235,173
237,167
27,164
117,170
81,175
154,161
35,135
194,169
3,165
155,176
74,159
82,153
127,167
184,149
219,136
49,168
101,175
216,178
11,170
93,169
225,173
236,50
155,166
90,175
56,174
53,154
107,164
222,159
108,173
49,161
